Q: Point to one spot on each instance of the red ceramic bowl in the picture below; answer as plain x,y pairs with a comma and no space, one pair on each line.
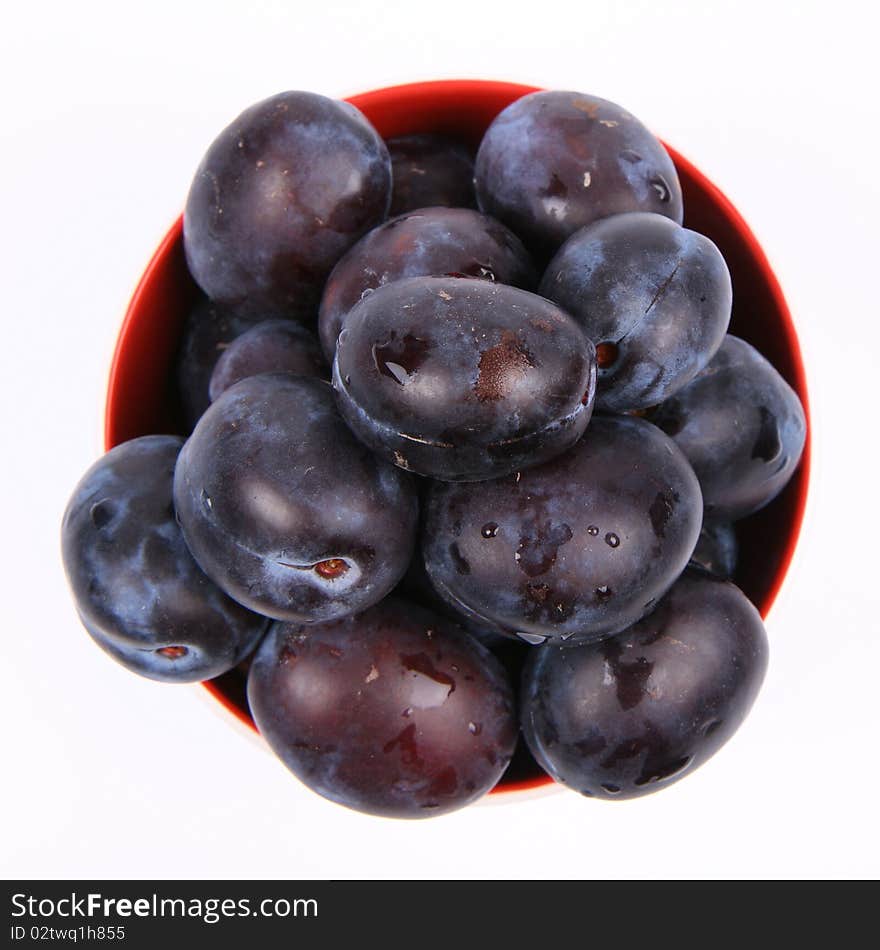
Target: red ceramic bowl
140,397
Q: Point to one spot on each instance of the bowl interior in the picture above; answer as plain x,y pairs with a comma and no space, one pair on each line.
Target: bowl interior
141,397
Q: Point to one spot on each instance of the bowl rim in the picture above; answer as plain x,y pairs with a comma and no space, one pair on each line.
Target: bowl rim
466,89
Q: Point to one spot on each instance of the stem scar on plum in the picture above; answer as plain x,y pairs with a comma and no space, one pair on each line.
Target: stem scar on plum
331,568
606,354
102,513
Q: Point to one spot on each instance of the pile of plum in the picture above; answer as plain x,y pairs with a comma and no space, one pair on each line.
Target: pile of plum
508,507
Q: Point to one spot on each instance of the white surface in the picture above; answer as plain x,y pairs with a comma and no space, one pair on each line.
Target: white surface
107,109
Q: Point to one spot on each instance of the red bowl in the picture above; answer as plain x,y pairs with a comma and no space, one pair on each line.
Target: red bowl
141,400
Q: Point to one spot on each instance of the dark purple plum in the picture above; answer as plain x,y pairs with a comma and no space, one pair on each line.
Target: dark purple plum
429,171
654,297
138,591
394,711
576,549
742,428
285,509
432,242
635,713
207,331
463,379
717,550
280,195
273,346
553,162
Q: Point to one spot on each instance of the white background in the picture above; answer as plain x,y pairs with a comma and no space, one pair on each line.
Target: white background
107,108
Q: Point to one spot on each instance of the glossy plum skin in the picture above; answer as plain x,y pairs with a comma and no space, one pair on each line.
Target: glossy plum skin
273,346
394,711
463,379
285,509
207,331
138,591
635,713
741,426
553,162
653,296
430,171
717,549
279,196
576,549
429,242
